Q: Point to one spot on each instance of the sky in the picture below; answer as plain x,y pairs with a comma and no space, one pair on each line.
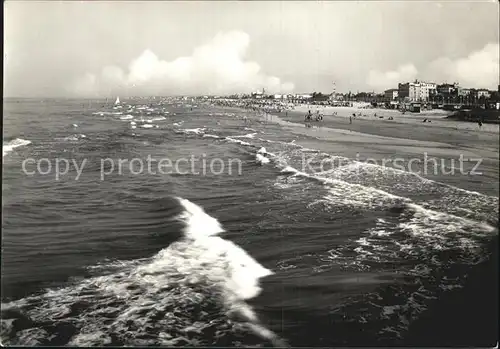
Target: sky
109,48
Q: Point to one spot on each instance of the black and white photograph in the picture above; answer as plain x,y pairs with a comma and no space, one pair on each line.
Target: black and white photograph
290,174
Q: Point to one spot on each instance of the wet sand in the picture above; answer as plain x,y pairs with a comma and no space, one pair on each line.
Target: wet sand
382,140
435,117
405,138
413,128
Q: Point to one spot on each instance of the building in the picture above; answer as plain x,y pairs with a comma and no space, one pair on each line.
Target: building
409,91
334,97
463,91
319,97
391,94
483,93
416,91
447,89
404,91
427,91
258,94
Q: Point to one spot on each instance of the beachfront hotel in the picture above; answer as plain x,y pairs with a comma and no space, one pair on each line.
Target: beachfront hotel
427,90
416,91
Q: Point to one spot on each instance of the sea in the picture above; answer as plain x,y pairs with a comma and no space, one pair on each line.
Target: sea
176,222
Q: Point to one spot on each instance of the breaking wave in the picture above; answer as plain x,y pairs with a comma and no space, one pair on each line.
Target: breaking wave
11,145
192,292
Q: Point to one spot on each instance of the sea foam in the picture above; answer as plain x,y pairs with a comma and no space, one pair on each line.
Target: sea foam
177,297
18,142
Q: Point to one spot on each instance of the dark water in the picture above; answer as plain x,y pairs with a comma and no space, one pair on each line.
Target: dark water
358,252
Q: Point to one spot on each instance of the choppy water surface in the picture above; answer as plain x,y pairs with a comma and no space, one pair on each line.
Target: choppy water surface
268,251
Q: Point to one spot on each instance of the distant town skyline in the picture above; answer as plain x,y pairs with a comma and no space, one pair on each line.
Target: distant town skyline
102,49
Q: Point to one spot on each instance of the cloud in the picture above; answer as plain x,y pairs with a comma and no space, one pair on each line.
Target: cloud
85,85
217,67
480,69
390,79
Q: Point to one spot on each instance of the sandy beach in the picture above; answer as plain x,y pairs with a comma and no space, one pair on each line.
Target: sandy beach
405,127
381,139
437,116
405,137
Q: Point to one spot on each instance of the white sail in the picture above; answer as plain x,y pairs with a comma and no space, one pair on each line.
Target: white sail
117,100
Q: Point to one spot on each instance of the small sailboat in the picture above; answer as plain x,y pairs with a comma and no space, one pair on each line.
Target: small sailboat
117,101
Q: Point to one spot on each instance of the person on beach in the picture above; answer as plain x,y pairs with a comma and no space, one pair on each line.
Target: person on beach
350,119
318,115
308,115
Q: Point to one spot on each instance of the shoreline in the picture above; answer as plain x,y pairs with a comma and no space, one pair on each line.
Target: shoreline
434,118
476,142
367,140
429,118
429,132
